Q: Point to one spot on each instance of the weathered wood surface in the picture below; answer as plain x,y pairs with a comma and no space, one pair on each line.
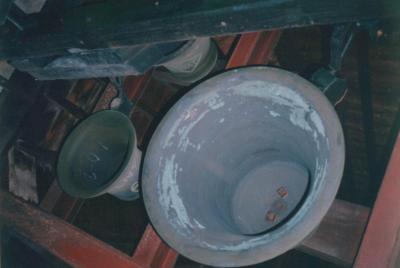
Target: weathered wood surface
125,22
338,237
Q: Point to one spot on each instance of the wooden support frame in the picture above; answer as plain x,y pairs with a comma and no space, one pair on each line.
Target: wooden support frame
380,246
254,48
337,239
59,238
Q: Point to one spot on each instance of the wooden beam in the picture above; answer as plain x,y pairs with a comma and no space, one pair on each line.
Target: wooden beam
59,238
339,235
126,23
337,238
5,6
254,48
152,252
60,204
365,89
380,246
74,246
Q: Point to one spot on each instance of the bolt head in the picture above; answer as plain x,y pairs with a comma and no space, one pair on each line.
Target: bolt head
271,216
282,192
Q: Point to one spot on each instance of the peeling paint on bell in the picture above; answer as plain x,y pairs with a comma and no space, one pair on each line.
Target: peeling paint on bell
259,129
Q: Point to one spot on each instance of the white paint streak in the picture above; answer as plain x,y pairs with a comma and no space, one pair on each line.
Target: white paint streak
236,247
198,224
169,194
277,93
274,114
298,117
317,122
214,101
301,113
183,132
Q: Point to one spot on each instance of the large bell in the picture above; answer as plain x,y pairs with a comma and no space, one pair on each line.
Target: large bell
100,156
243,167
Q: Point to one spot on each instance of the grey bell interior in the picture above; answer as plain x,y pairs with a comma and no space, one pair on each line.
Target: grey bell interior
239,161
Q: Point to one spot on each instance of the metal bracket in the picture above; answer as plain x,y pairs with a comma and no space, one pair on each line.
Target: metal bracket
121,102
327,78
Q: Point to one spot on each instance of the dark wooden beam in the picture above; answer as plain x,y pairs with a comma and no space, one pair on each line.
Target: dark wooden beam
125,22
17,95
60,204
5,6
338,237
364,83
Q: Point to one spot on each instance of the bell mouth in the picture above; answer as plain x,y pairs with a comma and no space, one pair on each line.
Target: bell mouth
243,167
95,153
194,61
268,194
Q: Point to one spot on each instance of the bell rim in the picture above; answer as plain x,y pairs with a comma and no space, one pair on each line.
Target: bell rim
294,234
103,188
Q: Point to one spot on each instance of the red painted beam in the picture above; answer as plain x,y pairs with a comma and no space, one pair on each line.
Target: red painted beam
254,48
225,43
152,252
60,238
135,85
60,204
380,246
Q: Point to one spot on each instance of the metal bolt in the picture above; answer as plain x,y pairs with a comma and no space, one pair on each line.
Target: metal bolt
271,216
380,33
115,103
280,205
135,187
282,192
